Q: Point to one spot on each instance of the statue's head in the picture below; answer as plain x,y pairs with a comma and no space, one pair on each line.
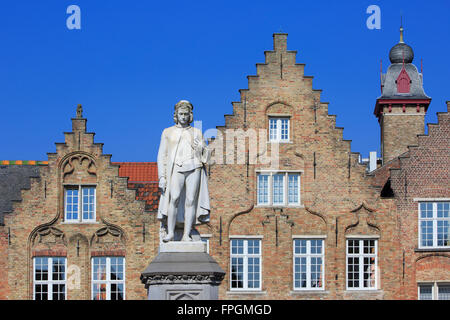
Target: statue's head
182,108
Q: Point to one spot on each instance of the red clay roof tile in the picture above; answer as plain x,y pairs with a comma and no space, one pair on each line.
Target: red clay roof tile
138,171
143,176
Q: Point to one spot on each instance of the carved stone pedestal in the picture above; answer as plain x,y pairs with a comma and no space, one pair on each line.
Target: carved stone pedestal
183,271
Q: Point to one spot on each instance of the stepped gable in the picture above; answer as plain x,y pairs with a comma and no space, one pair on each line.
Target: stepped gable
280,86
142,176
13,179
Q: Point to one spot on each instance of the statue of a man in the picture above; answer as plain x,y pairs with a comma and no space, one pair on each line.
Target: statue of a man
182,175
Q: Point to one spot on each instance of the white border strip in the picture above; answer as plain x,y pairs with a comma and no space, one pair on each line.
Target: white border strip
362,237
309,236
246,237
431,199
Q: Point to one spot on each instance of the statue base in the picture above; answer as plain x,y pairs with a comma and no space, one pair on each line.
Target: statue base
183,271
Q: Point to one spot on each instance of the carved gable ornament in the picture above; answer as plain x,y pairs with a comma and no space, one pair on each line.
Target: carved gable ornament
49,236
109,235
364,221
79,165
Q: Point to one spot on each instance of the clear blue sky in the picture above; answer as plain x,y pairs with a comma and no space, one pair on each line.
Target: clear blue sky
133,60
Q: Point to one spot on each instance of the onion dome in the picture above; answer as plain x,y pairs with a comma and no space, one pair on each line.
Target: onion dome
401,51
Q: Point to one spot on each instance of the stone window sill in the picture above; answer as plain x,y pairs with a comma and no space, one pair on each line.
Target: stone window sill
432,249
307,292
82,222
357,291
246,292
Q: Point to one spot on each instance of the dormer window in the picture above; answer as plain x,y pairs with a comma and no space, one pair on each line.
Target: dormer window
403,82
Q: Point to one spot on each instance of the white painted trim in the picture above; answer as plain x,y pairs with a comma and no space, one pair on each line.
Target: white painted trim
278,129
281,115
206,237
309,236
245,255
308,255
431,199
306,291
80,223
434,288
49,282
270,173
364,237
108,280
279,170
256,292
80,219
246,237
361,255
434,219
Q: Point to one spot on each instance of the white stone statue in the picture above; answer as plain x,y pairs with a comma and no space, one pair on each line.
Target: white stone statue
182,157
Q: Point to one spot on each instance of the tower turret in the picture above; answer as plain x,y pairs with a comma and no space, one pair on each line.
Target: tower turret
402,106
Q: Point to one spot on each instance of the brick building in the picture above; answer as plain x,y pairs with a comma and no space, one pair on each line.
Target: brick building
318,225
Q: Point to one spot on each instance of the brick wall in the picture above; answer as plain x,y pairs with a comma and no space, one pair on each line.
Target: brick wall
337,197
423,173
338,200
4,288
38,227
399,129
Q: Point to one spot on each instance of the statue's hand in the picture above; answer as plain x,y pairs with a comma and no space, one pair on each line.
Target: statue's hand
197,145
163,184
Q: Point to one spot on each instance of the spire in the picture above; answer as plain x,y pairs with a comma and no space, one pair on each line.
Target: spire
401,30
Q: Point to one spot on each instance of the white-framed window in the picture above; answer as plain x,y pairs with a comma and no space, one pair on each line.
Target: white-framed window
205,239
434,291
79,203
362,264
434,224
308,264
279,129
108,278
278,188
49,278
245,260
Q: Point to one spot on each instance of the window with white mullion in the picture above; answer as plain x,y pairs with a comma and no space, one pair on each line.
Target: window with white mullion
425,292
263,189
245,259
49,278
279,188
71,203
279,129
79,203
293,188
434,291
275,188
361,266
434,224
284,129
88,203
108,278
308,264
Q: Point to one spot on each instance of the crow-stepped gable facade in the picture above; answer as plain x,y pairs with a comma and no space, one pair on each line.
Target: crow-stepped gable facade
318,225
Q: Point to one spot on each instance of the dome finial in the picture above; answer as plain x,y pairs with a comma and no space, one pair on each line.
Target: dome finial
401,30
